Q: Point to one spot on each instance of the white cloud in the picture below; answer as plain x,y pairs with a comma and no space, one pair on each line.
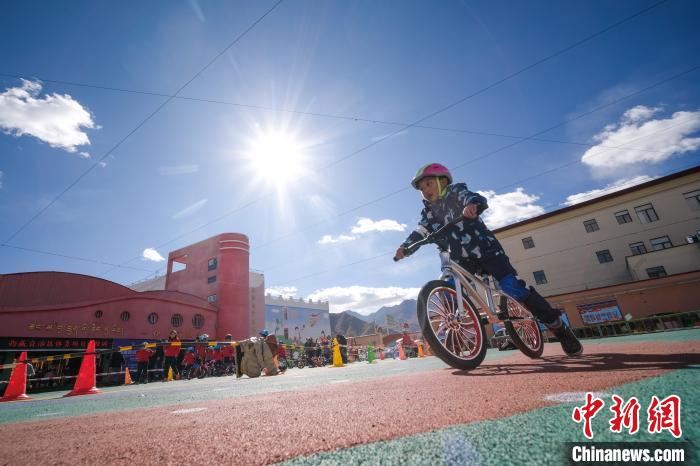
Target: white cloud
328,239
189,210
611,188
55,119
639,113
178,170
364,226
151,254
648,140
285,291
362,299
509,207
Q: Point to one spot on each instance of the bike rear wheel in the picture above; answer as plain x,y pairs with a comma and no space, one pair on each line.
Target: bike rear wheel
523,329
456,339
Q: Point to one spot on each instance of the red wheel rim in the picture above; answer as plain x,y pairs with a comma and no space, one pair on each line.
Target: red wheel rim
459,334
525,326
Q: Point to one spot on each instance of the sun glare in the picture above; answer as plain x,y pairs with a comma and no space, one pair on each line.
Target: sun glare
277,158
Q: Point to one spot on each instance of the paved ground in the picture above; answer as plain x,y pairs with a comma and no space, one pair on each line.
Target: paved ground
511,410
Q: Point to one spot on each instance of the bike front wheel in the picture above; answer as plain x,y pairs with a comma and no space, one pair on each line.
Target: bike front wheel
456,339
523,329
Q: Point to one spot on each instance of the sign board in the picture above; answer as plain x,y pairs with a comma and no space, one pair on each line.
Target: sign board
599,313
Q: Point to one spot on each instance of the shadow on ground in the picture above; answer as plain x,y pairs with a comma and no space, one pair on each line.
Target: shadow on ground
588,363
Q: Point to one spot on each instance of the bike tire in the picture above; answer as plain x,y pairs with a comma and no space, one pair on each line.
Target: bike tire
428,301
524,330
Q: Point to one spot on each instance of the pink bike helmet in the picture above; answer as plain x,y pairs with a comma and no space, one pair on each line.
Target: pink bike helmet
432,169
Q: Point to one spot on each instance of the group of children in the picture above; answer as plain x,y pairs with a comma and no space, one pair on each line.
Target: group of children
200,360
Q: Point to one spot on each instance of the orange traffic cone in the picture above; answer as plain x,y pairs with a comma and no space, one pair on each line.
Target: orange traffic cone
127,377
17,388
86,381
420,350
402,355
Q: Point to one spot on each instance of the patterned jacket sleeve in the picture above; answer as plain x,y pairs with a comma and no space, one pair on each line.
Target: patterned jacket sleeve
467,197
422,230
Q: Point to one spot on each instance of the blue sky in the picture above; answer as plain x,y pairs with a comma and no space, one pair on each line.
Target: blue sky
327,86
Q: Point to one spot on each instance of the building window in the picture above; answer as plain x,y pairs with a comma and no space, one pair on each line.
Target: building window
623,217
540,277
125,316
152,318
693,199
211,279
646,213
662,242
98,314
638,248
211,298
198,321
528,243
212,264
176,320
656,272
604,256
591,225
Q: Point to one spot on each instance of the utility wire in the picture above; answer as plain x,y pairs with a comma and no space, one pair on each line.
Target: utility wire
461,100
143,122
304,277
403,128
84,259
488,154
356,119
386,196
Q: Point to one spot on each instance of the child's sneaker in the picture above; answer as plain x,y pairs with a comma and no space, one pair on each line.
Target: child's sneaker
567,339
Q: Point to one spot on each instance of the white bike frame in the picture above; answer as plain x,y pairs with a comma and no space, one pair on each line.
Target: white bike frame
477,289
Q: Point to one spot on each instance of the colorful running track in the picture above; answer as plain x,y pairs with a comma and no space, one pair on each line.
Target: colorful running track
511,410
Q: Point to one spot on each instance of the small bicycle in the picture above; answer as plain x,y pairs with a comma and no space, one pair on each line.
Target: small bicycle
453,327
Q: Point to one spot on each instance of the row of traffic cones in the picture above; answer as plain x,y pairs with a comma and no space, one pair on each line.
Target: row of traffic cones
85,383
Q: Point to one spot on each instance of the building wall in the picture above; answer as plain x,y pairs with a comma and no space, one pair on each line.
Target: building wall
78,306
217,269
257,302
675,260
567,253
672,294
295,320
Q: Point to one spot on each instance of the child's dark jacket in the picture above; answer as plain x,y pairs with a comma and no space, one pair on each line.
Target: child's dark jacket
468,239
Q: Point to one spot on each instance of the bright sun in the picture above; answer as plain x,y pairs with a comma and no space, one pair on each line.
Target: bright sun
276,157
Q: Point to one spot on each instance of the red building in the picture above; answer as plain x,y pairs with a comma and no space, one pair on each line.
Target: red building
209,293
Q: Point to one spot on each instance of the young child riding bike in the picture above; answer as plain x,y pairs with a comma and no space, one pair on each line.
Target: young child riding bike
474,247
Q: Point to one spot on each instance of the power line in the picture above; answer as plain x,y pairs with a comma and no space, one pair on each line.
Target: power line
529,258
474,94
143,122
357,119
488,154
84,259
403,128
386,196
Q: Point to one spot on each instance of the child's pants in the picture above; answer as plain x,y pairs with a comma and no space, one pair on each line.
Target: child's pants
499,267
170,361
142,372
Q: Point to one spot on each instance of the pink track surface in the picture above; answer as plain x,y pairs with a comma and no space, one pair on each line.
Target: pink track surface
273,427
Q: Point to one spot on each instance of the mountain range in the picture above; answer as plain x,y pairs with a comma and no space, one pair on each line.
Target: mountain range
389,318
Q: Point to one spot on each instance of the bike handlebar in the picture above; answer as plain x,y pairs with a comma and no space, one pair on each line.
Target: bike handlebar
411,248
